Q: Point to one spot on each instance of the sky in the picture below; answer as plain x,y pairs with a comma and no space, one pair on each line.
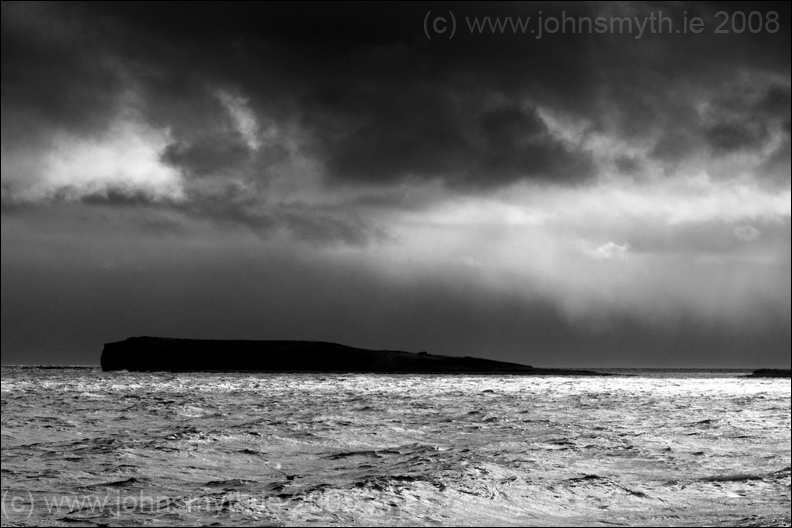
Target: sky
400,176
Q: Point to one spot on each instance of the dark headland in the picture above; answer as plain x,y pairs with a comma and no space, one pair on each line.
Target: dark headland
770,373
200,355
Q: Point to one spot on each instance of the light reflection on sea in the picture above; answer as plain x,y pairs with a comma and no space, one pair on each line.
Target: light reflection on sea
657,447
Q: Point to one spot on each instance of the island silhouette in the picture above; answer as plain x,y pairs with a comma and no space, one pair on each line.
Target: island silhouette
151,354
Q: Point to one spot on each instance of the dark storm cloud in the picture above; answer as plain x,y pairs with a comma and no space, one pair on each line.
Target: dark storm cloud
742,120
627,165
739,118
674,146
731,137
55,71
776,102
380,103
232,208
117,197
434,136
208,155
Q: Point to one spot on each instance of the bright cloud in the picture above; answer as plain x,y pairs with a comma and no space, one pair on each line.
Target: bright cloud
126,159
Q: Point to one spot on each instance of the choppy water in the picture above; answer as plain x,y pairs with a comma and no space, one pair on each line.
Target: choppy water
84,447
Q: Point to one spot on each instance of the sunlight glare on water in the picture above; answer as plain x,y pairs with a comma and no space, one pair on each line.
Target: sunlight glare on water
667,448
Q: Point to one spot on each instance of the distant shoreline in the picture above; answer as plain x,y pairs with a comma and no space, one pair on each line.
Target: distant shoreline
740,372
770,373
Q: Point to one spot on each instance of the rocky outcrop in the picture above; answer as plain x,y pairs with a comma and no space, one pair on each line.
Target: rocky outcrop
200,355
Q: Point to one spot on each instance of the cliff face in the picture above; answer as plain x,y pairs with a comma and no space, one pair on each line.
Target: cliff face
184,355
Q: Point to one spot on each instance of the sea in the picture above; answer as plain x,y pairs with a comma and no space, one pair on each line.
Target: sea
82,447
